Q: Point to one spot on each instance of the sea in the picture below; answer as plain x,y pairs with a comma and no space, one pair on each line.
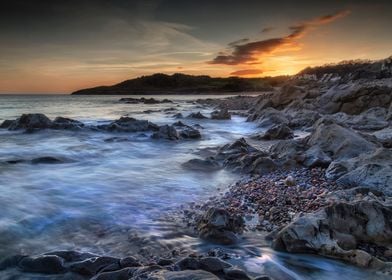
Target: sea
116,193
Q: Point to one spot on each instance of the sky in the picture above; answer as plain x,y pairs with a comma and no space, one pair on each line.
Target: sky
51,46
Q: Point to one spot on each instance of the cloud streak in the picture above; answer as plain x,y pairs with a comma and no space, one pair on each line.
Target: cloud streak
250,52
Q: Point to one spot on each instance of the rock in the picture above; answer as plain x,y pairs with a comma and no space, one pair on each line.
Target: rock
290,181
122,274
66,123
144,100
239,147
208,164
337,141
127,124
218,226
269,117
222,114
31,122
235,274
168,132
280,131
164,262
72,256
190,133
129,262
338,226
371,170
213,265
184,275
6,123
47,160
188,263
315,157
197,115
384,136
48,264
92,266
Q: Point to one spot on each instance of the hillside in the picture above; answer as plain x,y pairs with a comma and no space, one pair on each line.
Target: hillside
184,84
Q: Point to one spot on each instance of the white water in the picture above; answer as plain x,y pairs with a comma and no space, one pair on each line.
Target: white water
111,196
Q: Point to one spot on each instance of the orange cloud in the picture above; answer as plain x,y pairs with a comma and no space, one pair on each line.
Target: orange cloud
250,52
247,72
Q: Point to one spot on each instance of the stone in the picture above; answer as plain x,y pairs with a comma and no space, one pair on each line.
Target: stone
48,264
280,131
168,132
354,223
222,114
218,226
122,274
127,124
212,264
235,274
197,115
31,122
92,266
66,123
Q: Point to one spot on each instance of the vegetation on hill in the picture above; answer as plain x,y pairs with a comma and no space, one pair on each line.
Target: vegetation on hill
185,84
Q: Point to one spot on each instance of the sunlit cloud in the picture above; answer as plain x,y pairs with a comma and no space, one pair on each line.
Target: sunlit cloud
252,52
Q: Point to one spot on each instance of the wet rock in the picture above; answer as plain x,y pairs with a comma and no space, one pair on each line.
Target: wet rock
290,181
165,262
219,226
31,122
66,123
213,265
184,275
208,164
190,133
337,141
222,114
144,100
269,117
6,123
92,266
48,264
188,263
127,124
11,261
47,160
72,256
197,115
122,274
129,262
235,274
168,132
341,225
280,131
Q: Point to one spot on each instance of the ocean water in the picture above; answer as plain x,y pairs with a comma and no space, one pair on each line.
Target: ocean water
115,197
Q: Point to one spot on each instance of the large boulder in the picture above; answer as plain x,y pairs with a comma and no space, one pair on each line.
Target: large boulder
127,124
339,231
66,123
269,117
219,226
197,115
354,99
337,141
168,132
31,122
372,170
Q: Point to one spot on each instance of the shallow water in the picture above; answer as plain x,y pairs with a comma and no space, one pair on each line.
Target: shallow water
113,197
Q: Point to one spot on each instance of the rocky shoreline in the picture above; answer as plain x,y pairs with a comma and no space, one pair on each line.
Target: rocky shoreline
327,192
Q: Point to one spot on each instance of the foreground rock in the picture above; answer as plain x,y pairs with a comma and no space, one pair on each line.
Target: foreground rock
127,124
343,231
219,226
176,131
33,122
280,131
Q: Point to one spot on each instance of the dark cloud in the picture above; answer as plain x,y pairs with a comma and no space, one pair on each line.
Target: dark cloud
249,53
267,29
246,72
238,42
